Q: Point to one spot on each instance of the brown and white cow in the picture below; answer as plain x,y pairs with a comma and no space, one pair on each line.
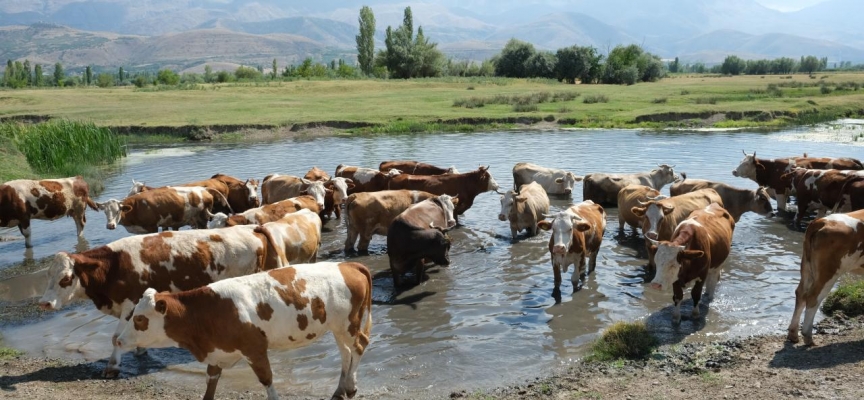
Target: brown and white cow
603,188
632,196
24,200
239,195
833,246
116,275
661,217
736,201
366,179
466,186
524,209
166,207
817,189
297,236
851,195
241,318
371,213
317,174
266,213
419,233
282,187
695,253
415,168
335,197
768,172
554,181
577,233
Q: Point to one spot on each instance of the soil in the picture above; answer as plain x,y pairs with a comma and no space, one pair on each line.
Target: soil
763,367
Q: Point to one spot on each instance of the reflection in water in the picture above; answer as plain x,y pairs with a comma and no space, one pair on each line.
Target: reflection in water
488,318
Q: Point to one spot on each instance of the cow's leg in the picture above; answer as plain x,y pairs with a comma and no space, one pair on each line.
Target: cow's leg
113,367
781,202
213,374
813,306
579,271
513,232
711,283
350,361
650,255
261,366
592,261
556,292
24,227
800,303
80,221
365,238
620,222
677,295
696,293
419,267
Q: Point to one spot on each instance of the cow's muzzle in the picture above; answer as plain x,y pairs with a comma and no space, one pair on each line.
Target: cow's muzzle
655,286
734,173
502,217
46,306
559,249
111,226
651,235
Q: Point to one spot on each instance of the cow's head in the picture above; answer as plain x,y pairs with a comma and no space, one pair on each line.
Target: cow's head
748,166
562,226
315,189
452,170
665,174
507,200
487,181
761,203
448,204
137,187
251,188
393,172
340,187
146,327
63,285
669,259
654,212
567,183
114,210
218,220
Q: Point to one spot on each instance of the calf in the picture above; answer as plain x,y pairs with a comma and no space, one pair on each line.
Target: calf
115,276
735,200
632,196
168,207
49,199
660,217
418,233
281,187
267,213
577,233
819,189
553,180
371,213
297,236
525,209
366,179
467,186
415,168
604,188
833,246
695,252
241,318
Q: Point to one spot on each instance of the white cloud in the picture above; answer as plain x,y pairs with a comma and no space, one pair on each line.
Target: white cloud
789,5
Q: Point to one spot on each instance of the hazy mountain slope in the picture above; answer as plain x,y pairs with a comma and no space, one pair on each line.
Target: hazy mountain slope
325,31
565,29
714,46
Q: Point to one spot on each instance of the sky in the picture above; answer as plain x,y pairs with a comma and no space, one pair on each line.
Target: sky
788,5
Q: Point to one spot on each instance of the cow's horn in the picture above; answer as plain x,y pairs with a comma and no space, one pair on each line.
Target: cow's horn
209,214
644,204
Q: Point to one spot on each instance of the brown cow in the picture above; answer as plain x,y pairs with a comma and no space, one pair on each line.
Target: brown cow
632,196
819,189
240,195
833,246
466,186
317,174
661,217
577,233
524,209
371,213
419,233
366,179
604,188
695,252
266,213
282,187
334,199
735,200
24,200
851,195
415,168
167,207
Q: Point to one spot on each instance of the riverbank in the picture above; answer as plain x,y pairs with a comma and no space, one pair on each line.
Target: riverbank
765,367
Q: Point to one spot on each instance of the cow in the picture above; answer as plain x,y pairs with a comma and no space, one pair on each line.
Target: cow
116,275
851,195
660,217
833,246
317,174
282,187
335,197
524,209
297,236
603,188
24,200
632,196
554,181
239,195
241,318
167,207
768,172
371,213
577,233
366,179
266,213
415,168
736,201
819,189
466,186
418,233
138,187
694,253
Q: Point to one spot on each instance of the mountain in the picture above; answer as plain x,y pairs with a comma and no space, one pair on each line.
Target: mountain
325,31
558,30
715,46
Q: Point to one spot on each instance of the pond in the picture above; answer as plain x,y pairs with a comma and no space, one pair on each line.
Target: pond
487,320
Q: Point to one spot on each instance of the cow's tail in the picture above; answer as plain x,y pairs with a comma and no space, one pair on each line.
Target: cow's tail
362,339
349,201
217,195
268,177
274,256
91,203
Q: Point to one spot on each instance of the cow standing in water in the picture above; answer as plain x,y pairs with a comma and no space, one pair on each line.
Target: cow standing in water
524,209
603,188
419,233
554,181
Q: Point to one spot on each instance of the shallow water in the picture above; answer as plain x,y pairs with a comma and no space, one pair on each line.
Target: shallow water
487,320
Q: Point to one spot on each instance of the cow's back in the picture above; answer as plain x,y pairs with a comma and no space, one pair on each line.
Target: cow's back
719,226
298,234
280,187
377,210
684,205
630,197
595,215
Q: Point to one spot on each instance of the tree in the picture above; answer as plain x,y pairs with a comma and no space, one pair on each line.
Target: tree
648,67
28,72
810,64
274,70
59,75
104,80
541,65
575,62
37,75
366,40
511,61
733,65
121,75
167,77
88,76
208,73
674,66
246,73
405,57
8,73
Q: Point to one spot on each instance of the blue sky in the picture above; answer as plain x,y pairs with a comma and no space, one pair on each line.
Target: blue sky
788,5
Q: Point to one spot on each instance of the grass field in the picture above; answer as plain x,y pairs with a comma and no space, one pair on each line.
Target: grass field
425,101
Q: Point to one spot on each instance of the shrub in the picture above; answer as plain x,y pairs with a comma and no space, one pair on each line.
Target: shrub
564,110
167,77
811,102
564,96
524,107
472,102
706,100
104,80
825,90
624,340
685,92
659,100
848,298
549,118
246,73
61,146
595,98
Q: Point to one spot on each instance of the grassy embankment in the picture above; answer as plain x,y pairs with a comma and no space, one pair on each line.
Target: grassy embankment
393,106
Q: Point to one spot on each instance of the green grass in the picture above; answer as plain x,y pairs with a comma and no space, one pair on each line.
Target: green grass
8,352
623,340
848,298
13,164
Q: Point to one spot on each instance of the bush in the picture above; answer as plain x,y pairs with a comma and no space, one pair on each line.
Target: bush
848,298
140,81
224,76
705,100
825,90
624,340
595,98
247,73
525,107
104,80
549,118
685,92
167,77
660,100
60,147
564,110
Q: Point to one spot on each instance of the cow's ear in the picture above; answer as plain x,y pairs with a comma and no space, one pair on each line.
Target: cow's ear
125,208
161,306
582,226
758,164
521,199
559,180
544,225
668,210
351,185
690,254
85,263
578,178
455,201
638,211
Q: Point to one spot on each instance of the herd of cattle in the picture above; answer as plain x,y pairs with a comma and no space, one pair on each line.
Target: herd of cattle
247,279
